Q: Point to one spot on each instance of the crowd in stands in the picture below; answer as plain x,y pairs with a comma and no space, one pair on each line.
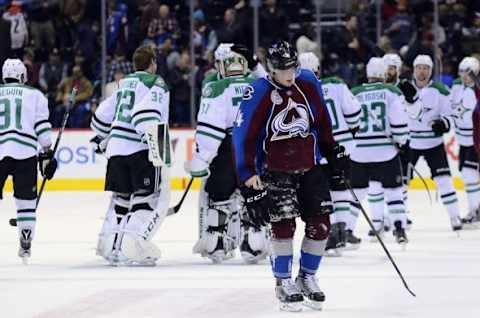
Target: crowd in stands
60,40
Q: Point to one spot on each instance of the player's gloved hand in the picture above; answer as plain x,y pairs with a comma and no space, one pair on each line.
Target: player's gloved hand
338,159
47,164
409,91
403,152
197,168
247,53
439,127
98,144
258,205
354,130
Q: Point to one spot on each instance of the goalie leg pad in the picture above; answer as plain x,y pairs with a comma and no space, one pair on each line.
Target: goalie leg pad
117,210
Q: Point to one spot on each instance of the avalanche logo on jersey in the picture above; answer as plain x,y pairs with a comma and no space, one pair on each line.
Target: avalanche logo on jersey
291,122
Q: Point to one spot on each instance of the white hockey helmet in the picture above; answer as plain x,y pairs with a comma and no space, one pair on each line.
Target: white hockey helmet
467,64
423,60
233,64
14,69
393,59
376,68
309,61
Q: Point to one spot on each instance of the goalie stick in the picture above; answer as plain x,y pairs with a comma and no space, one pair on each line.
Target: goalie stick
177,207
71,102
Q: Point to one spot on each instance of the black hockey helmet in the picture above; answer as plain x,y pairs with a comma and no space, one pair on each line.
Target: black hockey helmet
281,56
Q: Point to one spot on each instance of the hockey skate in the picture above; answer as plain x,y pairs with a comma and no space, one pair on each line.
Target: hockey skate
313,296
24,251
399,233
254,246
289,295
224,250
353,242
336,240
470,221
456,223
371,233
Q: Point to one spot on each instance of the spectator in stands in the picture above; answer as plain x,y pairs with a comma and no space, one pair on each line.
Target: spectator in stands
113,85
119,63
400,27
179,81
204,39
80,110
422,46
163,26
273,22
18,29
227,33
33,68
42,13
471,34
74,10
117,26
51,74
167,57
5,36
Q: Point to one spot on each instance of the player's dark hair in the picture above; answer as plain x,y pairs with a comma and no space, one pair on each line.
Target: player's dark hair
143,57
11,80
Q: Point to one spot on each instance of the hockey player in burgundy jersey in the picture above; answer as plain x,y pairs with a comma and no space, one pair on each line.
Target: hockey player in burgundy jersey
281,133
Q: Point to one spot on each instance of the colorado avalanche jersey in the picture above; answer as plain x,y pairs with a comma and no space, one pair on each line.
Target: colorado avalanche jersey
141,99
218,110
384,122
23,121
281,129
463,101
344,110
436,105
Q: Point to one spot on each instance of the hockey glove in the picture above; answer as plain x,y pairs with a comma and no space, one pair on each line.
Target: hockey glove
409,91
247,54
47,164
98,144
440,127
197,168
403,151
258,204
338,159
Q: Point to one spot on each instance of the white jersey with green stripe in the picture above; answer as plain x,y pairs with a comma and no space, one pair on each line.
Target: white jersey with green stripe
463,101
383,123
218,111
141,100
435,98
24,121
344,110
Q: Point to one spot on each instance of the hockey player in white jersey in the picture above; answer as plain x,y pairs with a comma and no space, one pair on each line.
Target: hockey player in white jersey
344,110
24,128
426,134
463,103
376,200
213,160
382,132
137,173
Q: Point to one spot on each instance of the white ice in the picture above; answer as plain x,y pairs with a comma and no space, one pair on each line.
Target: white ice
65,279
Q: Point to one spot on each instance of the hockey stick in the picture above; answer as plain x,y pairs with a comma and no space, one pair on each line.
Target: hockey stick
177,207
71,102
347,183
410,165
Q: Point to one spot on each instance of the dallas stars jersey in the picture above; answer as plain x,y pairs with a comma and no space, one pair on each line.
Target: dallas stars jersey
141,99
344,110
463,101
218,110
23,121
383,122
436,105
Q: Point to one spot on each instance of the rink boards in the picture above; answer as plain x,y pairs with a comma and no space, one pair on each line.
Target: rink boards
80,168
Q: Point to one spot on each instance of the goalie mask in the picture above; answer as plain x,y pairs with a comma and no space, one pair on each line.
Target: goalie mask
14,69
220,53
233,64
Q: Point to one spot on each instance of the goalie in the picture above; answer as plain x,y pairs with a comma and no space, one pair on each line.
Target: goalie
132,128
227,225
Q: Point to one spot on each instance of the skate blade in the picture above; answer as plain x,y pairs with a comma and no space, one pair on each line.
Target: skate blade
471,226
291,307
403,246
334,252
352,247
315,305
25,260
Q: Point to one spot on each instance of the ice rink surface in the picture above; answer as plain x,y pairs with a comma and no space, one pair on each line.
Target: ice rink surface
66,280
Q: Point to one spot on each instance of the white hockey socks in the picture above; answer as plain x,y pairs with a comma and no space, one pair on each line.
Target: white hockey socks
448,195
395,205
341,206
355,210
472,188
26,218
376,204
